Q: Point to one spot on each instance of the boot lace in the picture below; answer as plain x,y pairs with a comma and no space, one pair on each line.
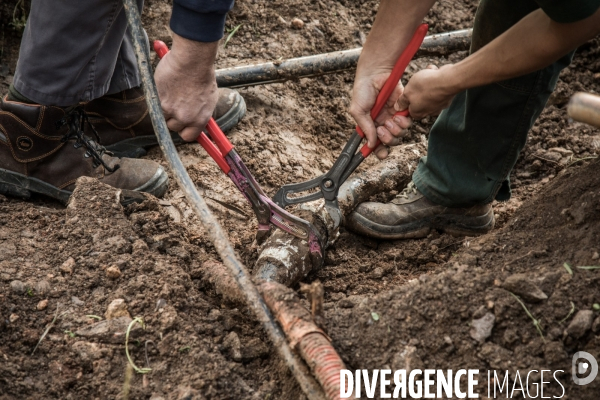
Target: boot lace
76,118
411,188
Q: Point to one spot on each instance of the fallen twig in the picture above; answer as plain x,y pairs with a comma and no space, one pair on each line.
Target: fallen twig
49,326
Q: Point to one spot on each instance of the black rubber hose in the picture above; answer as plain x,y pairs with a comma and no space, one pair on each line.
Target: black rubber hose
329,63
215,233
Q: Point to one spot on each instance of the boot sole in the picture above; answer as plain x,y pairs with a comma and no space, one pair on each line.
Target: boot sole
18,185
456,225
136,147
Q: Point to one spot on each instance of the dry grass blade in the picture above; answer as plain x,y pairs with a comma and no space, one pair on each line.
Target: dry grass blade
569,314
589,267
136,320
536,322
231,35
49,326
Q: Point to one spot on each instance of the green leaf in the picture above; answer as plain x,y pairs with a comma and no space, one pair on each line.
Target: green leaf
375,316
568,268
231,35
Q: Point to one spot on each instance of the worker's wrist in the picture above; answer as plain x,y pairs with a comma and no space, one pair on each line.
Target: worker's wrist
451,79
193,57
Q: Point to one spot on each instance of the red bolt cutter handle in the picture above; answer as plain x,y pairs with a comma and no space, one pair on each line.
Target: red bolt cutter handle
223,145
392,81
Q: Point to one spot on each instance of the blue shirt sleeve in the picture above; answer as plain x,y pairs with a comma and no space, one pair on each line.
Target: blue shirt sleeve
200,20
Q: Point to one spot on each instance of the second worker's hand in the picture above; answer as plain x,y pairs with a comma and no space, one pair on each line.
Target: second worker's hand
428,92
187,87
388,128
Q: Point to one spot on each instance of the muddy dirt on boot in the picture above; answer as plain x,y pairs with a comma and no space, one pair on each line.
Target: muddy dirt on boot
411,215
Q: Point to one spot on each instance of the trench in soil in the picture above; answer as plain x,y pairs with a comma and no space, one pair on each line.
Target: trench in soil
426,292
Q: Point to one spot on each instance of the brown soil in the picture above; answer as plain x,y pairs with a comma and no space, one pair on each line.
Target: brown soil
425,292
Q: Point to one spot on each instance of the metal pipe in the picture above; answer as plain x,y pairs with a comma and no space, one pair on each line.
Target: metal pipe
328,63
215,233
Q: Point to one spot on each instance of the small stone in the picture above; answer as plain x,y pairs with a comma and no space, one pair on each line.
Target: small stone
407,359
116,309
113,272
87,351
377,273
581,324
595,256
110,330
13,318
233,345
76,301
554,353
214,315
490,305
562,151
139,246
17,287
468,259
160,303
297,23
254,348
522,286
67,266
481,328
42,287
42,305
168,318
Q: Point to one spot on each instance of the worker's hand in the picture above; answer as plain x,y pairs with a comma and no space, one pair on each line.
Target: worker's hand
185,79
427,92
387,128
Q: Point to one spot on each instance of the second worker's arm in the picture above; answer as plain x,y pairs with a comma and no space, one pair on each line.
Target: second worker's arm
394,26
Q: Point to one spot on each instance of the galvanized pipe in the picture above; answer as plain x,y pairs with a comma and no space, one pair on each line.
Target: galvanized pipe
328,63
214,231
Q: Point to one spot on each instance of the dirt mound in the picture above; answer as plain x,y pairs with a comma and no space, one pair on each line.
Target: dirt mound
466,317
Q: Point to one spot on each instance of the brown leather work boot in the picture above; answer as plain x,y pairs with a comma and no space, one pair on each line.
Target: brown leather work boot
124,125
43,150
410,215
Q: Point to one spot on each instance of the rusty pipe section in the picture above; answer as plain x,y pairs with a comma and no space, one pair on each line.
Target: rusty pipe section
585,107
329,63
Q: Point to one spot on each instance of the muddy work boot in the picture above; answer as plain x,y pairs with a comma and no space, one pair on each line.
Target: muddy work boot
123,122
410,215
43,150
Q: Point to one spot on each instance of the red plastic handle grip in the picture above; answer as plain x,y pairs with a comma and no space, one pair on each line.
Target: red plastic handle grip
214,152
160,48
389,86
216,134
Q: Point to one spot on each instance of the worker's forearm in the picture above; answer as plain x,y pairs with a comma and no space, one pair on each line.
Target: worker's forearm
532,44
393,28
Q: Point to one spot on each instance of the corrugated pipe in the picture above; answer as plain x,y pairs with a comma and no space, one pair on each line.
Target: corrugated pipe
305,336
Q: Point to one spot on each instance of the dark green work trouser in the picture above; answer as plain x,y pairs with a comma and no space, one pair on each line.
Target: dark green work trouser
475,143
